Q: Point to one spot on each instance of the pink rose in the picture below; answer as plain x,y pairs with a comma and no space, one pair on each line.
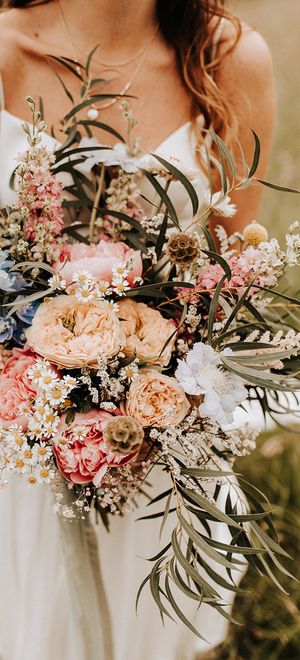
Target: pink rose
15,387
147,332
71,333
155,399
99,260
80,451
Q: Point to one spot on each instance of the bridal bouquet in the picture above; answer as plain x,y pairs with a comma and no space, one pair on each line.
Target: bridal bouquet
128,343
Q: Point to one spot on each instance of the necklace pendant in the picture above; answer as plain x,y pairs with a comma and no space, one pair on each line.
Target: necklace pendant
93,114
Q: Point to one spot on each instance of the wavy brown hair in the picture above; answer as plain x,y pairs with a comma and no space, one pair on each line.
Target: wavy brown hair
192,28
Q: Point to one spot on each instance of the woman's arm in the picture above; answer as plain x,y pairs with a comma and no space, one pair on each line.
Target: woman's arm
246,76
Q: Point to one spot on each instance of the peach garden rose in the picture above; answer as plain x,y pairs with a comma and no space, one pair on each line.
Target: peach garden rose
80,451
146,332
72,333
99,260
155,399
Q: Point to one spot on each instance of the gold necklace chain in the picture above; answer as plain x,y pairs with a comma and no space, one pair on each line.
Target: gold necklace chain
142,54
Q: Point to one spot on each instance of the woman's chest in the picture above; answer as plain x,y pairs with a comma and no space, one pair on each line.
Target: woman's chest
154,91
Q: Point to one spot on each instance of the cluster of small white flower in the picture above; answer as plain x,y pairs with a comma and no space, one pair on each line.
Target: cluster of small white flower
29,452
112,387
193,443
152,224
289,342
117,494
30,460
242,441
193,318
292,249
227,240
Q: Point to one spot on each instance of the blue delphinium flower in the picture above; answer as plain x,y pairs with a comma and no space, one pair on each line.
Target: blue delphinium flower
8,326
9,280
27,311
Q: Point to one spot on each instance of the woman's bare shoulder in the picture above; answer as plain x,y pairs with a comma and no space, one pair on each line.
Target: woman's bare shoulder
12,27
18,28
248,60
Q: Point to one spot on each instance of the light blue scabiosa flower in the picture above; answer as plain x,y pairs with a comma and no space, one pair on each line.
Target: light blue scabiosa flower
202,374
9,280
117,155
8,326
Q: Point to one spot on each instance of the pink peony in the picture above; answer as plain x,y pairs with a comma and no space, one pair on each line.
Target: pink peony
99,260
80,451
15,387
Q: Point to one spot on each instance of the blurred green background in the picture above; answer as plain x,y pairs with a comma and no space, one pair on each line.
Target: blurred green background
270,619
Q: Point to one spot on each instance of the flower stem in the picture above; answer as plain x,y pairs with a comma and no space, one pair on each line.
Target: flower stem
96,203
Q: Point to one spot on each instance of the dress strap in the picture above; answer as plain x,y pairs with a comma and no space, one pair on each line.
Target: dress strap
2,97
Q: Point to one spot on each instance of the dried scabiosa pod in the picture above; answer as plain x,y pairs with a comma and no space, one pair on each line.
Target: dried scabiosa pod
183,248
123,435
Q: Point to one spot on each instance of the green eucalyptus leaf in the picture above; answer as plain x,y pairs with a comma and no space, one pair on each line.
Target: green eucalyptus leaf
177,579
192,572
160,497
163,196
256,155
199,541
205,504
276,187
166,515
220,260
68,64
89,59
102,126
179,612
155,589
183,179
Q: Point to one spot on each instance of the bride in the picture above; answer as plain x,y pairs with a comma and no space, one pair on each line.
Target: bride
187,64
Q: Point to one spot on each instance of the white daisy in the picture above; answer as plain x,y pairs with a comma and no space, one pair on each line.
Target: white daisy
83,278
57,281
42,451
130,372
45,475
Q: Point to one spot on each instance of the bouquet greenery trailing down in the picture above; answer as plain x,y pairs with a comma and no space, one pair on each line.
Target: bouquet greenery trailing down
129,342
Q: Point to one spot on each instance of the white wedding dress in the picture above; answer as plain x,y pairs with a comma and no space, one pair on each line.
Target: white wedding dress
42,570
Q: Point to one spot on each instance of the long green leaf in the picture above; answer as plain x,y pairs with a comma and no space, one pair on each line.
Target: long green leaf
213,309
205,547
183,179
198,579
276,187
205,504
163,196
256,155
179,612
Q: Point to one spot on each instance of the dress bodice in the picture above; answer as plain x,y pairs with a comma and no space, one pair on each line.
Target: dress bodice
180,147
